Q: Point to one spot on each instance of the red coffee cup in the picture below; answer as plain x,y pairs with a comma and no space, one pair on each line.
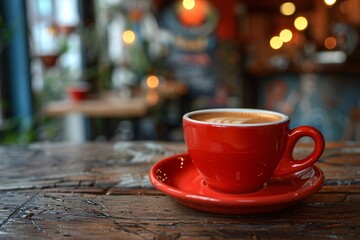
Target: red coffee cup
239,150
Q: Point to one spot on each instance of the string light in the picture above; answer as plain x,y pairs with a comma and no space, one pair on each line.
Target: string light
287,8
276,42
286,35
301,23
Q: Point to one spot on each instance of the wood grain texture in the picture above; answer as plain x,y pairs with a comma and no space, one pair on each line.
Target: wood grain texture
86,216
102,191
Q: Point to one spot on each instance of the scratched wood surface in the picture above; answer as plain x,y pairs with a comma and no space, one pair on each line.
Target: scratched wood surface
102,191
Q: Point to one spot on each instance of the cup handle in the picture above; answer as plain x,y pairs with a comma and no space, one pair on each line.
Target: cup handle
288,164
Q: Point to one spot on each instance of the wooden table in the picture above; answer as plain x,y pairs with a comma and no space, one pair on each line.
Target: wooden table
102,191
110,105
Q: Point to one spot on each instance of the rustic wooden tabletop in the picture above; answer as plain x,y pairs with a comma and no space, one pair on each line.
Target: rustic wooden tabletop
102,191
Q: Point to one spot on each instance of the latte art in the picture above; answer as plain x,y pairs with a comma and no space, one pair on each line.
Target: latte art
236,117
227,120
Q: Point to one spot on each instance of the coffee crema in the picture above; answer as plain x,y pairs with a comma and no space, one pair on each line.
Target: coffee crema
236,117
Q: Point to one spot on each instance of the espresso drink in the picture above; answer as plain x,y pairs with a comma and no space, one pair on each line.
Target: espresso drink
236,117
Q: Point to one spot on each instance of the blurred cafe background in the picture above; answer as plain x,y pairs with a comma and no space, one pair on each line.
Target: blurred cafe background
119,70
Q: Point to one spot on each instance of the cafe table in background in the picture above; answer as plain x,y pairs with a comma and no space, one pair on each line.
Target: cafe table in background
110,104
102,191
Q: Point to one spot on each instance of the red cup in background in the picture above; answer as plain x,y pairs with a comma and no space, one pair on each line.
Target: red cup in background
78,93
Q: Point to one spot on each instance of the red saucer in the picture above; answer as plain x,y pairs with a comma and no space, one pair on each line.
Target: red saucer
177,177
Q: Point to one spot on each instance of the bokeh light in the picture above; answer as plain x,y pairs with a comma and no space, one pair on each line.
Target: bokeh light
276,42
330,43
188,4
152,81
129,37
287,8
286,35
301,23
329,2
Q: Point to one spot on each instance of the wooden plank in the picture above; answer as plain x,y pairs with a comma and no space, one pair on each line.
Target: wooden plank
89,216
340,188
45,166
118,166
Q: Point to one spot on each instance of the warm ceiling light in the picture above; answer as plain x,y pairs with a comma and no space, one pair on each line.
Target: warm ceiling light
152,81
286,35
330,43
188,4
300,23
276,42
287,8
129,37
329,2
